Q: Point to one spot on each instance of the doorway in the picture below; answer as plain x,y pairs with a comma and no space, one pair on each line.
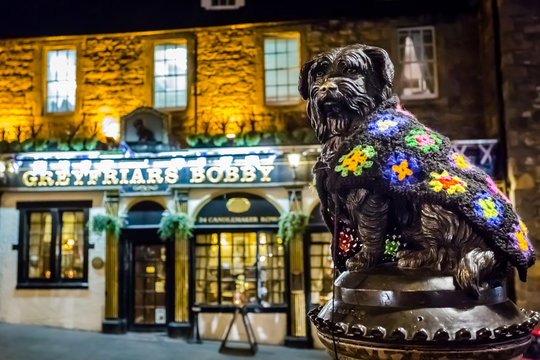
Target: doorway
147,273
149,303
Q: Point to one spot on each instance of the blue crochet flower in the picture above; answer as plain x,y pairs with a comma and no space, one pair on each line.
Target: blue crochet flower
489,209
402,169
386,124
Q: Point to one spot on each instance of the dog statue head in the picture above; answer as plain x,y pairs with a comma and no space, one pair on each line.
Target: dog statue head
343,85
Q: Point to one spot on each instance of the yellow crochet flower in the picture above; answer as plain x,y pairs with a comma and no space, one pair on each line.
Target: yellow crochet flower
402,170
460,162
489,208
521,240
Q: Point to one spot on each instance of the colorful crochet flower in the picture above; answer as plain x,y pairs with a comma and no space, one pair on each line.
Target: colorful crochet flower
488,208
400,109
460,162
356,160
495,190
386,124
402,169
423,140
451,184
521,240
492,185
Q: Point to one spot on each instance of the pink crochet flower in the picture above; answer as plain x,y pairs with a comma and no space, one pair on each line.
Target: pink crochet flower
492,185
424,140
400,109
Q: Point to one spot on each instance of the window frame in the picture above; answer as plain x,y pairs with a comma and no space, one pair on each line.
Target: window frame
281,35
45,70
225,307
171,42
56,281
207,5
434,61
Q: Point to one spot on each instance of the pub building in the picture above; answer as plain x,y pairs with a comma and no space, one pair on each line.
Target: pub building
134,128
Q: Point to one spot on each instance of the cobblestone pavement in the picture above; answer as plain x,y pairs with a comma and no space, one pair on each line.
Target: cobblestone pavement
26,342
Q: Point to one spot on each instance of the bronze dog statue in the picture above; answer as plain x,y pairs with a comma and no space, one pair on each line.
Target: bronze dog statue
383,175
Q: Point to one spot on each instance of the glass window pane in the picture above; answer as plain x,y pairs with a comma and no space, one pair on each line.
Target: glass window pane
61,80
39,245
72,245
418,69
282,69
170,73
269,46
321,267
281,45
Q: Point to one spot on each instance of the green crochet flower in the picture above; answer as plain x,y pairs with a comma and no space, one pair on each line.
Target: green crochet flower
391,247
356,160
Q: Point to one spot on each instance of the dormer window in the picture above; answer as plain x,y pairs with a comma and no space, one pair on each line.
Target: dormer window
222,4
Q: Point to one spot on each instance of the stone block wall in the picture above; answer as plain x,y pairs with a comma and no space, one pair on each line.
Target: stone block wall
226,76
520,65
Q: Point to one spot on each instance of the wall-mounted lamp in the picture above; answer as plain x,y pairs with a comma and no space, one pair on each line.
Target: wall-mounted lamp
110,128
294,162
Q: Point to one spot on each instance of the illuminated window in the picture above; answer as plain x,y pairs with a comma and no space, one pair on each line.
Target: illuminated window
53,245
418,62
322,273
239,268
170,76
222,4
61,80
281,67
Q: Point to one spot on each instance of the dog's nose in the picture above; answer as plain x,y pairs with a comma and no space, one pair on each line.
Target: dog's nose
328,86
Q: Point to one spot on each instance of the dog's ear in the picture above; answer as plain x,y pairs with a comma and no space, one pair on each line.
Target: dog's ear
381,63
303,86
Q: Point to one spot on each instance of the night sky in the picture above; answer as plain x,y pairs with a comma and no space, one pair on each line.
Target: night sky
25,18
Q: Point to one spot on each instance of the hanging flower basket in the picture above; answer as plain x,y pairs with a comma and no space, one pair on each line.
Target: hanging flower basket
176,223
292,224
110,224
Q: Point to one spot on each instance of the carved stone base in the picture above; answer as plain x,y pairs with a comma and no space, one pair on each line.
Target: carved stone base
395,314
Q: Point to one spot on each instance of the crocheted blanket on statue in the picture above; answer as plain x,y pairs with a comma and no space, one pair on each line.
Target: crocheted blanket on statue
392,152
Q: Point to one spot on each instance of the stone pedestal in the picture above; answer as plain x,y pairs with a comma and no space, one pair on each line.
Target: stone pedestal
396,314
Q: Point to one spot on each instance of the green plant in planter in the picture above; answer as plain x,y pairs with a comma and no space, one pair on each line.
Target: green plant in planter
15,146
90,144
205,138
41,144
240,140
280,138
111,224
175,223
291,224
220,139
192,140
27,145
77,144
62,146
253,138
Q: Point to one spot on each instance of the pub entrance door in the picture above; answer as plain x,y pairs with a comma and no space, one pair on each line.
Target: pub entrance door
149,278
148,270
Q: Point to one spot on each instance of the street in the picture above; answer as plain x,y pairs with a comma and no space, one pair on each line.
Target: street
26,342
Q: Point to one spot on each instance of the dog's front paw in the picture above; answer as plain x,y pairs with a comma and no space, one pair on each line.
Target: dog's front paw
363,260
414,259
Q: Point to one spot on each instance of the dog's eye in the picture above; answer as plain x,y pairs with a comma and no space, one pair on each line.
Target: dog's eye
351,71
319,73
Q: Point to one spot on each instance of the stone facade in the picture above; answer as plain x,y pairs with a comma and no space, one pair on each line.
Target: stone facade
226,77
520,66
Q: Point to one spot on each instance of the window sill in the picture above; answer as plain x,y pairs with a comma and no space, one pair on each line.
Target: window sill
51,286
